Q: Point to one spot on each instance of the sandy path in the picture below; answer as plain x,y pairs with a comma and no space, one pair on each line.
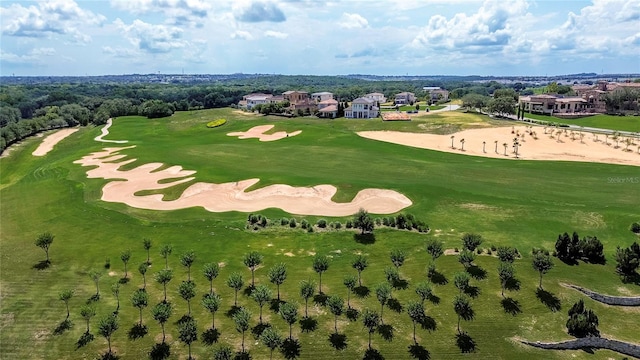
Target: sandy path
544,148
228,196
258,132
50,141
105,132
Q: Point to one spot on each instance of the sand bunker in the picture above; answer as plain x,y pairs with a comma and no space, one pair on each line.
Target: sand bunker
228,196
105,132
560,147
258,132
50,141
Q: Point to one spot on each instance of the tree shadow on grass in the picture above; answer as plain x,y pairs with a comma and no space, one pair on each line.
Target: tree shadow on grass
386,332
419,352
512,284
274,305
438,278
160,351
511,306
308,324
472,291
258,329
93,298
185,318
248,290
362,291
242,355
210,336
109,356
428,323
352,314
549,300
84,340
290,349
372,354
477,272
338,341
395,305
137,331
465,343
320,299
124,280
232,311
434,299
41,265
400,284
65,325
365,239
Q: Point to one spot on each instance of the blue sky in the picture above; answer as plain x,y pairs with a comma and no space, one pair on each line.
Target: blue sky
319,37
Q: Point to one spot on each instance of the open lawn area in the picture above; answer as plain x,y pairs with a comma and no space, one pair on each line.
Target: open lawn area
623,123
523,204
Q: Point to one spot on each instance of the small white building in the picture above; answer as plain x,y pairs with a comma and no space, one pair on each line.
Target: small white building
321,96
377,97
362,108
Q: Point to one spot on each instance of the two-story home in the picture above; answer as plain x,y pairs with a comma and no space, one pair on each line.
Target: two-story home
321,96
295,96
550,104
328,109
251,100
405,98
362,108
377,97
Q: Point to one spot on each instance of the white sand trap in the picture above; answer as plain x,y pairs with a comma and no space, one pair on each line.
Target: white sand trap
258,132
228,196
544,148
50,141
105,132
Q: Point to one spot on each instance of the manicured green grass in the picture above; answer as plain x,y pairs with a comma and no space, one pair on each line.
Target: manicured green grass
602,121
523,204
413,107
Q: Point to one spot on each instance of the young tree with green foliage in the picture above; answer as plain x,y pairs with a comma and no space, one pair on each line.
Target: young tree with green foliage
235,282
461,281
188,332
125,256
140,300
350,282
505,273
307,290
435,249
211,302
65,296
542,263
363,221
466,258
87,312
383,294
95,276
161,313
187,259
415,310
360,263
115,290
272,339
392,275
165,251
44,241
252,260
163,277
142,269
370,320
462,307
320,265
146,243
471,241
261,294
398,257
187,291
106,327
336,306
424,291
223,352
277,275
507,254
241,318
211,271
289,313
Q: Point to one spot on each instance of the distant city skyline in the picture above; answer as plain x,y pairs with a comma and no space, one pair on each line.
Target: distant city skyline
309,37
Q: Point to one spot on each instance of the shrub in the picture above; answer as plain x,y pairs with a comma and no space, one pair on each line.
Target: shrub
471,241
479,251
392,221
216,123
292,223
309,228
284,221
493,248
349,224
385,221
456,250
107,263
338,225
401,221
489,251
322,223
635,228
252,218
304,224
263,221
378,221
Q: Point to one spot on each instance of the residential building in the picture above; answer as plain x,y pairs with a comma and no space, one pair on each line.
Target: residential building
438,95
362,108
550,104
251,100
295,96
321,96
405,98
377,97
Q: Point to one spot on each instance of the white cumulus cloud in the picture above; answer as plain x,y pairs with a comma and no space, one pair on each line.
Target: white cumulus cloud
152,38
353,21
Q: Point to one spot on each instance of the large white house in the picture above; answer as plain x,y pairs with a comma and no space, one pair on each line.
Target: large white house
362,108
252,100
321,96
377,97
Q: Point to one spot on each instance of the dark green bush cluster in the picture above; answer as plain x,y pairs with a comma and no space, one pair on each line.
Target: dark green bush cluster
582,322
256,220
322,223
405,222
635,228
571,249
628,260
